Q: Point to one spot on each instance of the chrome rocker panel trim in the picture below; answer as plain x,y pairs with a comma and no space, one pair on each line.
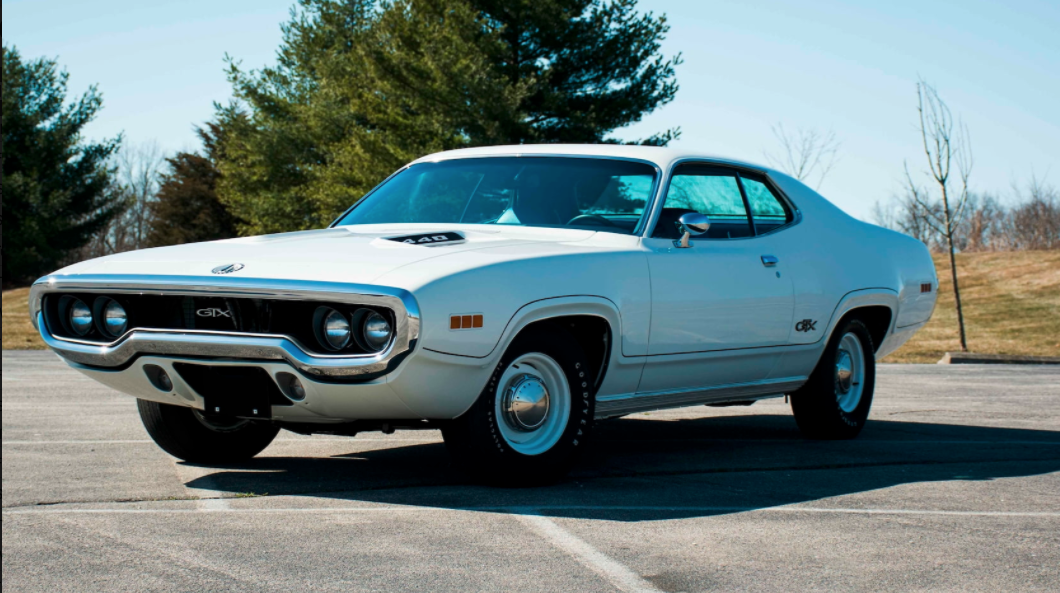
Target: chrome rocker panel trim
621,405
228,345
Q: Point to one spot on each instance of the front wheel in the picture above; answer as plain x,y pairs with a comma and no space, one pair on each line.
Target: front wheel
533,417
834,404
186,434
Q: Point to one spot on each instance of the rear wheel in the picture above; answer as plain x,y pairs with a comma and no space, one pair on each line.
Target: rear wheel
534,416
835,403
186,434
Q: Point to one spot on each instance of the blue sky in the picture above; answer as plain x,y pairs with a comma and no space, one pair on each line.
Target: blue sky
850,67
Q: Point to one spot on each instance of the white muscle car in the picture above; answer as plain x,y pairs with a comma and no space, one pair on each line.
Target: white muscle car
510,296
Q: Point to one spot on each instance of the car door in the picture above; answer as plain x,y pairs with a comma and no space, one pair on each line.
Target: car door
722,304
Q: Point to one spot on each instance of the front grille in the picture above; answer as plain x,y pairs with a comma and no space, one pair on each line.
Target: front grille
291,319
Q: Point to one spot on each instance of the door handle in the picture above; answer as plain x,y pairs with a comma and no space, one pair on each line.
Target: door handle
770,261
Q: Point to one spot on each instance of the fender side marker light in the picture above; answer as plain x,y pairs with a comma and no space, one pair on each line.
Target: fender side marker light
463,322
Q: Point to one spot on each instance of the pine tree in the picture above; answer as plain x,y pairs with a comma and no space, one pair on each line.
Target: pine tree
362,87
186,209
54,184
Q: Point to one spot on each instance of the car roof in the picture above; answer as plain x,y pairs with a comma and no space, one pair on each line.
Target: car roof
661,157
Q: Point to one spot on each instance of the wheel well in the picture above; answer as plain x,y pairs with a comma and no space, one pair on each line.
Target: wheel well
592,333
877,319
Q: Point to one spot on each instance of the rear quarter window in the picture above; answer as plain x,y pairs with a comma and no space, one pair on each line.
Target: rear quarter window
769,211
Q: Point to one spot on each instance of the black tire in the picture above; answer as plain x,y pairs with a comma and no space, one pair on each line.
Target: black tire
183,434
816,405
477,444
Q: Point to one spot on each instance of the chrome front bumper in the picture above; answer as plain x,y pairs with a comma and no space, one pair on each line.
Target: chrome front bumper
231,346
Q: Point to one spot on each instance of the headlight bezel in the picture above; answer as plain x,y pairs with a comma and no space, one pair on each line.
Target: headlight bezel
76,316
102,309
328,324
377,331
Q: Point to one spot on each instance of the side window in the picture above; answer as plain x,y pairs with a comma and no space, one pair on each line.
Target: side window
768,210
709,191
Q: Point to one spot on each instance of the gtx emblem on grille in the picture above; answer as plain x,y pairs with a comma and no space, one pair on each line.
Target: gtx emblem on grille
214,313
229,269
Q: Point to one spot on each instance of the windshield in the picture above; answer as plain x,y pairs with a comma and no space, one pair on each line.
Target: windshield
597,194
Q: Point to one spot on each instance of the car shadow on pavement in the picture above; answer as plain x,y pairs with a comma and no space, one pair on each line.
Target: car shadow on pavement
645,469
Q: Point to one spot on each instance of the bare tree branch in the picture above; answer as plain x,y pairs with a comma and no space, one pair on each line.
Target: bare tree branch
806,153
921,204
965,161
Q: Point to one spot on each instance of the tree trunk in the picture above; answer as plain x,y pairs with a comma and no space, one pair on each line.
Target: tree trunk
950,230
957,295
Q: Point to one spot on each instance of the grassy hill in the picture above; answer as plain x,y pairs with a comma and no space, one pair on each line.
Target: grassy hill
18,331
1011,306
1011,302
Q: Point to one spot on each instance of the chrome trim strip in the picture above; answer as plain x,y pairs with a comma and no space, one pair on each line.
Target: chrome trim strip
229,344
620,405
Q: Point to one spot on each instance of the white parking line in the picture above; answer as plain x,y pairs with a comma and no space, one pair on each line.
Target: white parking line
618,575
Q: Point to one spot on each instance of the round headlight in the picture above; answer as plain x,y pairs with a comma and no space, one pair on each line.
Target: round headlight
376,331
79,316
115,320
333,329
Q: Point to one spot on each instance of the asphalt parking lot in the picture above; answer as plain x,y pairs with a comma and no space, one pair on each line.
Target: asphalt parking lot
955,486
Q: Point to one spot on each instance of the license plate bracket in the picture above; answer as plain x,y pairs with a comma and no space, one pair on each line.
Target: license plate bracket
232,392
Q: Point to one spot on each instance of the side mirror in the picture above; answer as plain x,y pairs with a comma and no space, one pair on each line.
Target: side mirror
691,225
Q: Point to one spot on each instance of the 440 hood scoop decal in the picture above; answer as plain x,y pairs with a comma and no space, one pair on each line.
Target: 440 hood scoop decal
429,239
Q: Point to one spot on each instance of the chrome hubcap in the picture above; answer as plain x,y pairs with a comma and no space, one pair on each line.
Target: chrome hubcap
849,373
526,403
844,371
533,404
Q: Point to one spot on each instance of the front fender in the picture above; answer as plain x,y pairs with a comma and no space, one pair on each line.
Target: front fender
444,385
500,287
542,310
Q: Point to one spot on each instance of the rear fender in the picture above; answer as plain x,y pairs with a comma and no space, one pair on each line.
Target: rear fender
802,360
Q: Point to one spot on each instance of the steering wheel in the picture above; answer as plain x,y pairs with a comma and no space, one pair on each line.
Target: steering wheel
590,220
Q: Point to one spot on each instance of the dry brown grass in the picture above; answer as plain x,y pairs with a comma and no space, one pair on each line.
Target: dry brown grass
18,331
1011,304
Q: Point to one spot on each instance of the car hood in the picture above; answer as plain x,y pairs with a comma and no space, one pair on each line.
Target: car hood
357,255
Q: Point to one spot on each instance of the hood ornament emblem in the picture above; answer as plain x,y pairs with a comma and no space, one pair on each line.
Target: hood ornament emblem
229,269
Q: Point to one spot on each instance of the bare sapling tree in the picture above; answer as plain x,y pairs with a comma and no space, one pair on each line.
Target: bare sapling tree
806,154
949,156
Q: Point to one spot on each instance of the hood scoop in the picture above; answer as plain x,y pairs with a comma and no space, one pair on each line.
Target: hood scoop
430,239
